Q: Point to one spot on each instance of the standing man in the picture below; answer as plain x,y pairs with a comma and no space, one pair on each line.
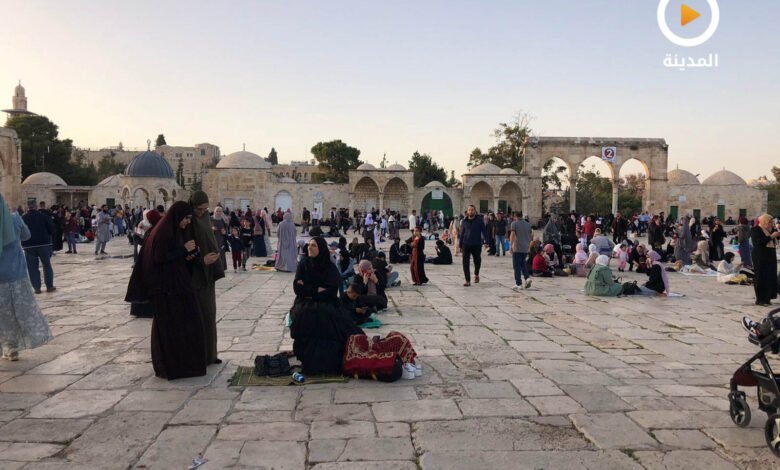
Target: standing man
619,229
315,217
520,240
413,221
499,234
472,236
38,247
103,234
305,220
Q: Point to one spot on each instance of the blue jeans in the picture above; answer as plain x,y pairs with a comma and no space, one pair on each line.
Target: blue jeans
520,267
500,244
72,241
42,253
391,278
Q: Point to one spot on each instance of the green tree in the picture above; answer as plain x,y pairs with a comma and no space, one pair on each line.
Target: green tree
773,198
335,159
108,166
510,148
551,176
160,140
272,157
425,170
594,192
452,181
42,150
776,173
197,183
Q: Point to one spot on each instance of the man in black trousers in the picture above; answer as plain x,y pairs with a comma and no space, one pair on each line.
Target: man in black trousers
472,237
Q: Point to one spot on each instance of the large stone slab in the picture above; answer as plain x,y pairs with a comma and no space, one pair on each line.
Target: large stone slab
378,448
38,383
419,410
572,460
77,404
176,447
276,455
613,431
56,431
264,431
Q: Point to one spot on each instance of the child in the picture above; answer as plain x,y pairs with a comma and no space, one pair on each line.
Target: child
623,257
246,241
236,248
350,304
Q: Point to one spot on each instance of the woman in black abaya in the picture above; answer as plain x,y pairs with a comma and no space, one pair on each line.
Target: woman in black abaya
319,327
764,260
163,277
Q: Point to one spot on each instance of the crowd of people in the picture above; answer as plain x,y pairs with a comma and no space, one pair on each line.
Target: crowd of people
181,253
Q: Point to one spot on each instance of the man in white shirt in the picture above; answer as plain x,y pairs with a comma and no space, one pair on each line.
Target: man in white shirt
413,220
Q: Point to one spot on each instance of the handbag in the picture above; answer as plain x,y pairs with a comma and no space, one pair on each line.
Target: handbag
272,366
506,245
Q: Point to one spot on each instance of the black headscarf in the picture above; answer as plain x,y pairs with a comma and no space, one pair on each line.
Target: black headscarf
323,257
165,234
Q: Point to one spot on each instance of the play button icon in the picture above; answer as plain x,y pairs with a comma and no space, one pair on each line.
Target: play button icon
687,14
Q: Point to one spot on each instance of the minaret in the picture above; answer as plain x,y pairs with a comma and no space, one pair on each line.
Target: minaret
19,103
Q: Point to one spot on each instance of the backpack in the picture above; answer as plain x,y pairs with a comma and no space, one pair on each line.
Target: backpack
272,366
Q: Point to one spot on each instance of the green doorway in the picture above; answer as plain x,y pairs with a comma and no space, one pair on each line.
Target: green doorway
673,212
442,203
721,212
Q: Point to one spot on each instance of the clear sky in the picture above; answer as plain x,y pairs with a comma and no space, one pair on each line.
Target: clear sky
395,77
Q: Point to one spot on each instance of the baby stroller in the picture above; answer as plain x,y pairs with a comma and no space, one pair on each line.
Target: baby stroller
767,337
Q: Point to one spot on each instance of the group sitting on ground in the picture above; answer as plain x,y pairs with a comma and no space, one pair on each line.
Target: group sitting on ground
600,281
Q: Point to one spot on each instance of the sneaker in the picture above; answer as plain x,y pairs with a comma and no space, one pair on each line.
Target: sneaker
750,326
517,287
528,283
417,369
409,371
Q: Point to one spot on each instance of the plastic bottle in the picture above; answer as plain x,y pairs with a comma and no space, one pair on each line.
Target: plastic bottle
298,377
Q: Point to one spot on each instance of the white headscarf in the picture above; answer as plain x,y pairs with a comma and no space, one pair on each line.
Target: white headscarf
602,260
593,248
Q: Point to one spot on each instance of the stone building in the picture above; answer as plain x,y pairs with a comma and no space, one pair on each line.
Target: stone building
10,165
300,171
194,160
19,103
724,195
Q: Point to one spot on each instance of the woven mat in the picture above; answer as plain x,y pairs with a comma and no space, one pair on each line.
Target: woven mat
245,377
372,323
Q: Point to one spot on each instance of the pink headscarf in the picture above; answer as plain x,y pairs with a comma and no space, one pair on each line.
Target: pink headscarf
580,257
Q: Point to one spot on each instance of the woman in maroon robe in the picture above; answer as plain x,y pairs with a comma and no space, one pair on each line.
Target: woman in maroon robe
163,276
417,260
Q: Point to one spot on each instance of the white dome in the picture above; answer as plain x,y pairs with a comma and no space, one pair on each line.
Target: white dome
45,178
111,180
681,178
244,160
366,167
287,179
434,184
508,171
485,169
395,167
724,178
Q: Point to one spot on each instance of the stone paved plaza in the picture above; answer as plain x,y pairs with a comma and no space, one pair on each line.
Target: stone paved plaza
545,378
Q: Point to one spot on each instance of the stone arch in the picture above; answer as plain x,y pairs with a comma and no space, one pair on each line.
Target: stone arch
283,200
481,196
622,172
444,204
510,197
396,195
126,194
366,194
141,197
584,203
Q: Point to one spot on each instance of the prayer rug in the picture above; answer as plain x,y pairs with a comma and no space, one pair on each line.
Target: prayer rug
245,377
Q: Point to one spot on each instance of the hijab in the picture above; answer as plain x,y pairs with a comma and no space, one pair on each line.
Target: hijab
204,274
580,257
7,230
656,258
364,266
165,233
322,260
602,260
593,248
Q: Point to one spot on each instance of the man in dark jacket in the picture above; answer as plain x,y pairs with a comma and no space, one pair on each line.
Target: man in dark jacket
38,247
471,238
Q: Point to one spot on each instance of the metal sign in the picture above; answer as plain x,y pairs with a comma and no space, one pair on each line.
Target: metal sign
437,194
608,154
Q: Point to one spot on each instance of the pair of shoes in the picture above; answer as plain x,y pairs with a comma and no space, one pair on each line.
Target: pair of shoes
409,371
51,289
12,356
750,326
417,369
528,283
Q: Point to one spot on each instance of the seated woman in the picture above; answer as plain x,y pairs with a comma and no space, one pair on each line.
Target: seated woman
600,282
540,267
534,249
443,254
162,276
580,259
728,273
372,292
593,254
701,257
445,236
346,269
658,282
354,249
319,326
396,256
638,259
